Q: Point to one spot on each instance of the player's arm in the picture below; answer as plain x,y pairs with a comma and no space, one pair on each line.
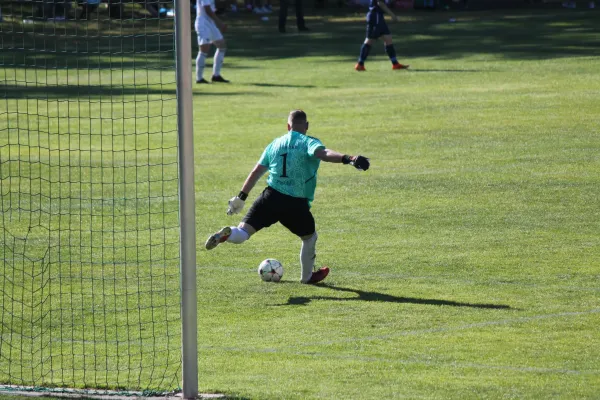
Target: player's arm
329,155
387,10
258,171
236,204
208,10
332,156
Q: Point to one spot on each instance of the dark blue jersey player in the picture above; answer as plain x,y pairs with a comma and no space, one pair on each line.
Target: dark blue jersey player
376,28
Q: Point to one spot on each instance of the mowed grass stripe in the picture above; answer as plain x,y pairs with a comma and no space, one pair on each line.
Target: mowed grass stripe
464,262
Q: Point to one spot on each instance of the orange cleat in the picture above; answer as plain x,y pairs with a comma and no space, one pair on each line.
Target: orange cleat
319,275
359,67
400,66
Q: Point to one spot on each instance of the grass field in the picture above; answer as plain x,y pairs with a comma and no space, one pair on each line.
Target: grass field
464,262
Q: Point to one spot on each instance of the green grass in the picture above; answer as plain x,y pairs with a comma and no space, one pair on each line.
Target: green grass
464,262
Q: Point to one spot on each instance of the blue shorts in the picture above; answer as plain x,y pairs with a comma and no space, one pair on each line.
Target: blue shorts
375,31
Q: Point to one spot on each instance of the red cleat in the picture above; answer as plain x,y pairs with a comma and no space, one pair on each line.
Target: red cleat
400,66
319,275
219,237
359,67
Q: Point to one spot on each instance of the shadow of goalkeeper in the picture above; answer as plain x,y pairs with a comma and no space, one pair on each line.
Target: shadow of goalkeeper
382,297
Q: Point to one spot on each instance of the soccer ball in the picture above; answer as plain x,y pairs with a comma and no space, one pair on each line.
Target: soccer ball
270,270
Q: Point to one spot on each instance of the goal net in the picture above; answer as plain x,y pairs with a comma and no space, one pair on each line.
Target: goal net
89,231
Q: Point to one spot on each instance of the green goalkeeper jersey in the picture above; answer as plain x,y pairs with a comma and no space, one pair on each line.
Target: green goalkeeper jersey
292,164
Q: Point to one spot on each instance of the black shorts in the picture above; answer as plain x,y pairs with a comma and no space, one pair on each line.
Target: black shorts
273,206
377,30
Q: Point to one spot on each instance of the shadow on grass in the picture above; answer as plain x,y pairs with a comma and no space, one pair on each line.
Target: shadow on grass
148,93
444,70
280,85
517,34
381,297
548,34
40,91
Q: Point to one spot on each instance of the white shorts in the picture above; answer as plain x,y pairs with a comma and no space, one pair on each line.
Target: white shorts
207,31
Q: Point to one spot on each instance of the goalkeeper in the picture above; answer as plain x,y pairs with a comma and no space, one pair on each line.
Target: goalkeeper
292,161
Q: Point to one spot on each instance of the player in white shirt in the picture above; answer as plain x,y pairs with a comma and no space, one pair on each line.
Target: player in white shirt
209,29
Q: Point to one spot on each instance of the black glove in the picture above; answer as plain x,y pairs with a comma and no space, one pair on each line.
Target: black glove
359,162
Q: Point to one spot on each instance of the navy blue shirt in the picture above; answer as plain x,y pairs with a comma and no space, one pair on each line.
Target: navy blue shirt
375,14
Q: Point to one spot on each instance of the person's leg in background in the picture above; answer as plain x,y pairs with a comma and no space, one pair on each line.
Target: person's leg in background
300,16
283,10
221,46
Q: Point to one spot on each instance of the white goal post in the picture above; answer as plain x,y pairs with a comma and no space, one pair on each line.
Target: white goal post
189,329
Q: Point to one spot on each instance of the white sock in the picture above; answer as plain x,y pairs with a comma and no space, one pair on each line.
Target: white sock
238,235
307,257
218,61
200,65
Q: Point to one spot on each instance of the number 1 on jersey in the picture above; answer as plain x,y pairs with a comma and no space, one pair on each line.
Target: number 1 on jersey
284,174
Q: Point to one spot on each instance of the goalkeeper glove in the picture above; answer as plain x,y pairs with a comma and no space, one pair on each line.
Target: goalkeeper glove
236,204
359,162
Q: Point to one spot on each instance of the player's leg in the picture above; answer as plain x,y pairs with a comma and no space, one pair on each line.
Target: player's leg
299,220
389,48
204,44
283,11
217,238
262,214
391,52
221,45
300,17
218,60
364,53
308,255
372,35
231,234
